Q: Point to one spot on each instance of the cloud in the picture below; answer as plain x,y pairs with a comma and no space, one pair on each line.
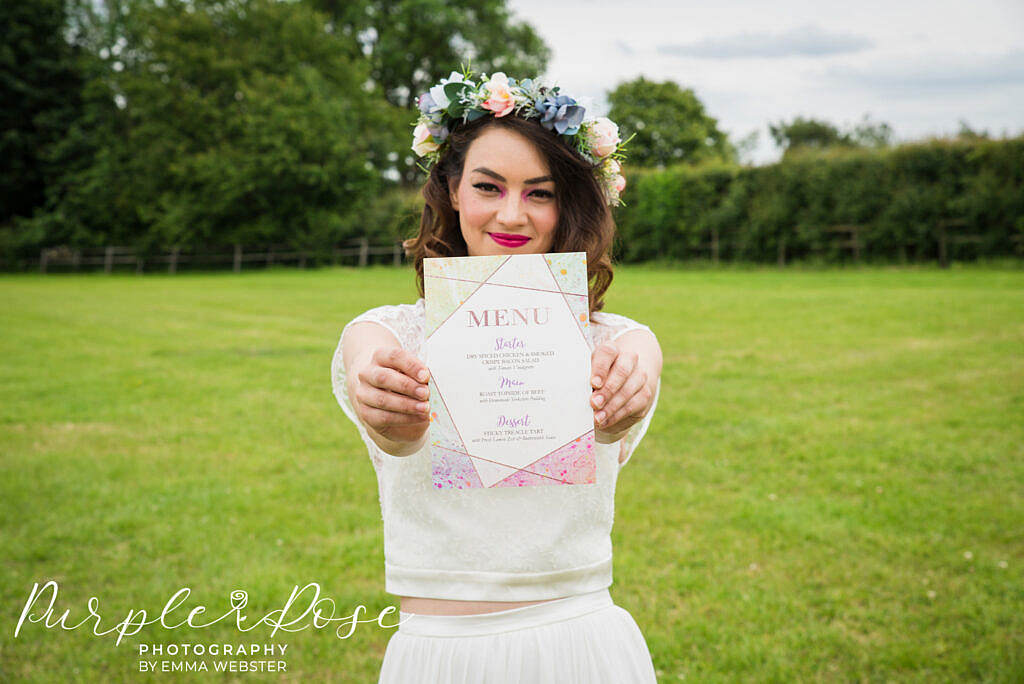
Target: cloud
807,40
624,48
939,74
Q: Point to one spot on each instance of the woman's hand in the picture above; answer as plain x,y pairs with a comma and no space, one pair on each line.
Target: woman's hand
622,396
391,394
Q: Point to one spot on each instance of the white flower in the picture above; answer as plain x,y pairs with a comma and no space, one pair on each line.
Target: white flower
422,142
437,92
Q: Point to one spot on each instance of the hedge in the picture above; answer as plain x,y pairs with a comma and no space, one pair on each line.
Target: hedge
899,198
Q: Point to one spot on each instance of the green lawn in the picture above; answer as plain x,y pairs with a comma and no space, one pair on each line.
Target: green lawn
832,488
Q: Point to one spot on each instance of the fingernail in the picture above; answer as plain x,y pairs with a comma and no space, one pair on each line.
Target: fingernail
423,376
599,400
600,416
596,381
422,392
423,406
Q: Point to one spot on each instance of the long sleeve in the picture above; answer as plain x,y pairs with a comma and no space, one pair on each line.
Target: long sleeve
612,326
402,322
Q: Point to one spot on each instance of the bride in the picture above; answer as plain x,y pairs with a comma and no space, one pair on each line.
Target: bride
515,579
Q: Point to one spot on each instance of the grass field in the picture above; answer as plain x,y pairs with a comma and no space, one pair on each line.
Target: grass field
832,488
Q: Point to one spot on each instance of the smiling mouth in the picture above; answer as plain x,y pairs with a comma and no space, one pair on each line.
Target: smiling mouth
506,240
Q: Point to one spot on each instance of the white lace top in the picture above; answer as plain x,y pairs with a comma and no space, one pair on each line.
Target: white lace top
491,544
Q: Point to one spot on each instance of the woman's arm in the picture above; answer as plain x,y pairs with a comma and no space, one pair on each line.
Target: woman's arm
625,375
377,366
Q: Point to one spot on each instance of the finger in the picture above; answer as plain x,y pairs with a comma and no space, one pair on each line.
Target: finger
392,380
381,421
600,361
379,399
614,410
401,360
624,364
631,413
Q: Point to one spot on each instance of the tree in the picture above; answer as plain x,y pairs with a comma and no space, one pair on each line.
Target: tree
222,122
868,134
803,133
806,133
39,89
668,123
412,44
965,132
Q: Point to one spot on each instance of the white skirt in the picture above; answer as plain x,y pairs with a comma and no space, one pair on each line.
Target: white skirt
584,639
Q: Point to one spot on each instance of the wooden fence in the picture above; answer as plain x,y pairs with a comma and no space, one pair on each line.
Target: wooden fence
841,239
850,240
108,257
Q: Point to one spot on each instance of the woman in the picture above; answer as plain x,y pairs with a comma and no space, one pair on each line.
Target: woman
503,584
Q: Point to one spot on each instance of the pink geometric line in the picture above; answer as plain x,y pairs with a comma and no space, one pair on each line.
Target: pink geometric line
571,312
505,465
578,326
558,448
521,287
467,297
441,397
509,465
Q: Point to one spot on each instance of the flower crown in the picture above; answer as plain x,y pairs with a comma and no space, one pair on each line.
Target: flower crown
458,99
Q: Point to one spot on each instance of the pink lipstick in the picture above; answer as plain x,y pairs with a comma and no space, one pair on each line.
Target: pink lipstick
506,240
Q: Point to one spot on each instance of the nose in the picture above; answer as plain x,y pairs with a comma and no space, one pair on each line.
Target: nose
511,212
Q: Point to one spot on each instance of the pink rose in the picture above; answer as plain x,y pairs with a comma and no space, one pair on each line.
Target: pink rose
499,97
615,177
604,136
422,142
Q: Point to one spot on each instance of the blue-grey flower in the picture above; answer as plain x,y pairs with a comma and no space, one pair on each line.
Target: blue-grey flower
429,108
426,103
560,113
438,133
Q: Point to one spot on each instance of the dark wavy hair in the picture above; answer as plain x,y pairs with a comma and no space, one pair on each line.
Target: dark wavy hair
585,222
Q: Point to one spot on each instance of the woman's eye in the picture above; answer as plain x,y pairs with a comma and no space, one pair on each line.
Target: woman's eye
543,194
486,187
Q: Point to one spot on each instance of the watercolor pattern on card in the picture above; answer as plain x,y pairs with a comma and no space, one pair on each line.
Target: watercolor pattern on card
507,341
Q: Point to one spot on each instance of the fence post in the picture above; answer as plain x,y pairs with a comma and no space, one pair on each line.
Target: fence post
76,258
714,246
43,257
334,256
364,250
138,264
172,267
782,250
398,254
238,258
108,259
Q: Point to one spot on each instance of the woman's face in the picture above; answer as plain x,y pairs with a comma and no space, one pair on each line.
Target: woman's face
505,198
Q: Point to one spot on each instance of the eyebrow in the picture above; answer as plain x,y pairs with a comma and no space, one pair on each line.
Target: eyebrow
529,181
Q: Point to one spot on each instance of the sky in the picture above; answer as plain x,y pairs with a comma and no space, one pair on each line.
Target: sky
920,66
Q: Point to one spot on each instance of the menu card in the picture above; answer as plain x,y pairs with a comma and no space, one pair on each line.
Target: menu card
507,345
